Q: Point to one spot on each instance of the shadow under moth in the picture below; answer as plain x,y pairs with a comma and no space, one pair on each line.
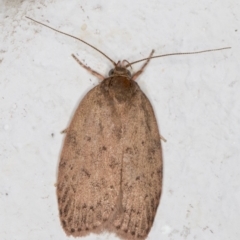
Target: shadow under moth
111,165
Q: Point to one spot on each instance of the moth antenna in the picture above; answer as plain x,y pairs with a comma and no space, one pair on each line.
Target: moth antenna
128,63
184,53
74,38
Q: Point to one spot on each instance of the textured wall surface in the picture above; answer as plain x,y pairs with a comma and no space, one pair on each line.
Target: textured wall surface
195,98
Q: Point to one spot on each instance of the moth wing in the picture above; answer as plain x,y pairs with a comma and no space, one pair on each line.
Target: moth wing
141,171
89,170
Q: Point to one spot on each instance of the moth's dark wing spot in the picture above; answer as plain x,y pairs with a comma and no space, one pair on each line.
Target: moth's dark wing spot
117,132
143,143
159,172
138,178
70,219
151,154
151,151
74,188
101,149
79,229
113,163
74,177
60,187
66,208
63,163
77,152
64,197
72,138
103,182
99,216
72,230
87,138
129,150
86,172
63,223
95,185
152,203
136,151
106,196
84,217
67,189
100,128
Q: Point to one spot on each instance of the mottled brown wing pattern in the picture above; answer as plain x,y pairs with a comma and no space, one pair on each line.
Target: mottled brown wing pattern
141,182
89,171
110,171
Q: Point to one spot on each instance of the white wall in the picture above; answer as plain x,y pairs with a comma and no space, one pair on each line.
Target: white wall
195,98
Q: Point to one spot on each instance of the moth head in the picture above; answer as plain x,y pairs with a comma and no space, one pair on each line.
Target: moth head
120,70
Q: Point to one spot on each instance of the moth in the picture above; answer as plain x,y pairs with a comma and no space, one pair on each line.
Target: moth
111,165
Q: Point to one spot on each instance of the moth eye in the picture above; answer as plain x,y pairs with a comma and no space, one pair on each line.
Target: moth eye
111,72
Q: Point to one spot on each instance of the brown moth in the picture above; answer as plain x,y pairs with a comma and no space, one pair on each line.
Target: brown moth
111,166
110,172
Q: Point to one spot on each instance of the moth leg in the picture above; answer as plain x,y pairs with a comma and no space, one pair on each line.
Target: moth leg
98,75
135,75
